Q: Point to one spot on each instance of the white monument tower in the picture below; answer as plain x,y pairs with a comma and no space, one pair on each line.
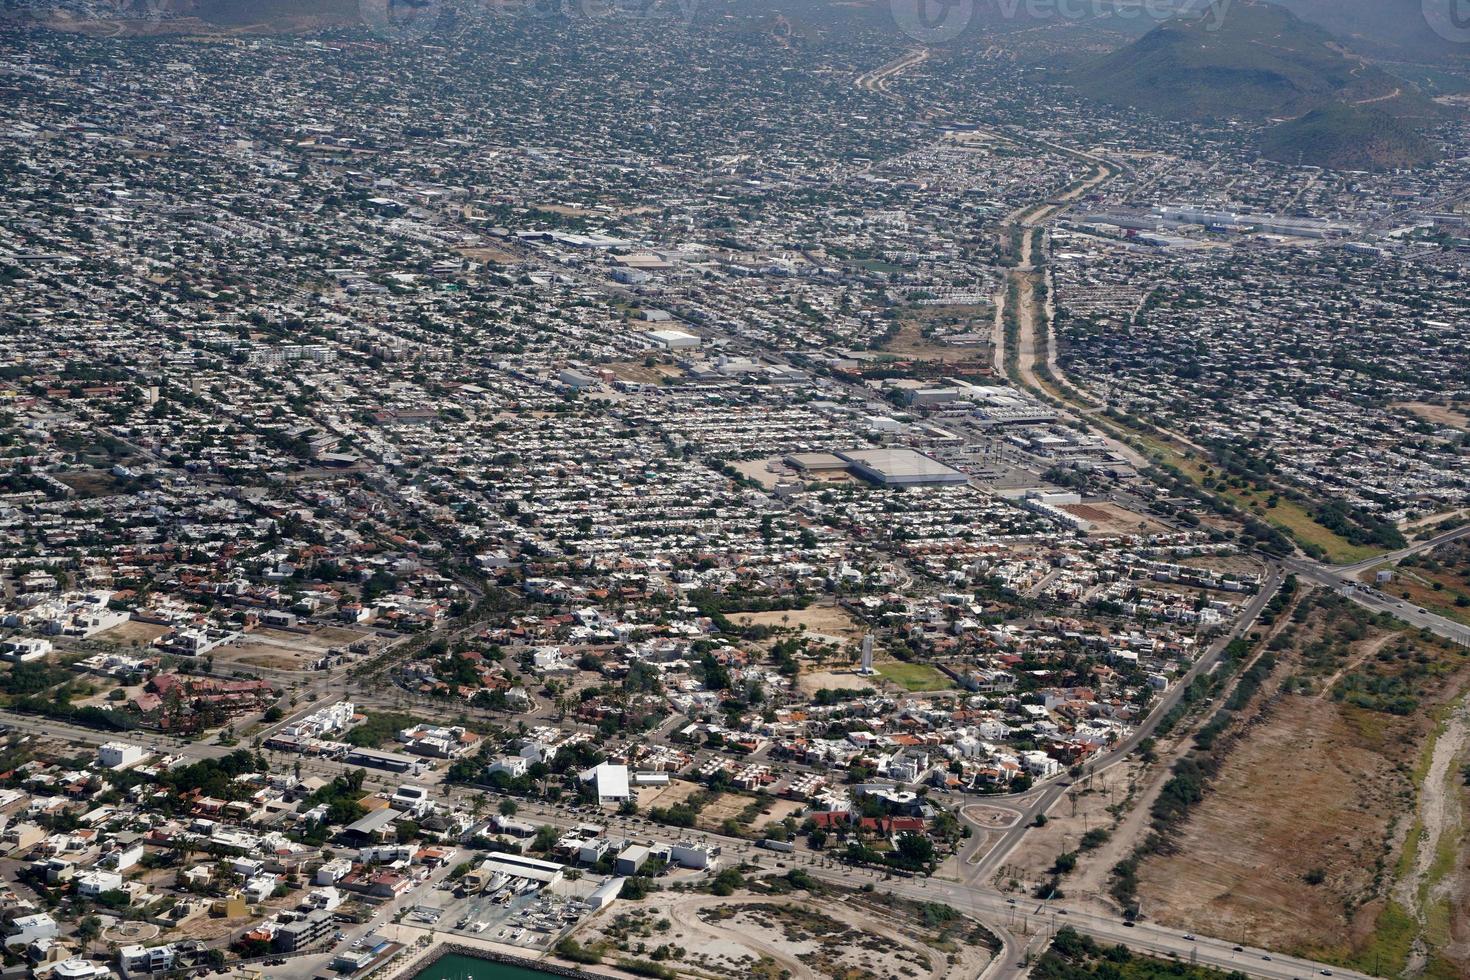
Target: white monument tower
867,668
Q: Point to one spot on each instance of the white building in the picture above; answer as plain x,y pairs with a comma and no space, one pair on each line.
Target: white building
324,898
133,960
611,782
333,871
120,755
689,854
26,929
92,883
25,649
673,339
77,968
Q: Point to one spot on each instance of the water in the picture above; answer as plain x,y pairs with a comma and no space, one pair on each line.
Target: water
455,967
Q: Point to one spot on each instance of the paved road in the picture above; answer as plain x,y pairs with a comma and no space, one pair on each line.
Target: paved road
1025,919
1048,796
1428,544
1017,924
1371,598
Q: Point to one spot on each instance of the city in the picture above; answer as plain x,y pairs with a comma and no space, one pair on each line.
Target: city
738,490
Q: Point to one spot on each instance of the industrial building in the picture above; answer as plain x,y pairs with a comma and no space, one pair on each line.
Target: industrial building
611,782
901,468
816,464
391,761
520,866
673,339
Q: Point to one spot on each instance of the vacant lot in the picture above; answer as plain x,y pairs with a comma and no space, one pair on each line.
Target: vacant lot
911,344
799,936
780,810
835,680
915,677
1082,821
677,791
1438,414
828,619
724,807
767,472
492,255
133,631
639,372
91,483
285,649
1111,520
1300,839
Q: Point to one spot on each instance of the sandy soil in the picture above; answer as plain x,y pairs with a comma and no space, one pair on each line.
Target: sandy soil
825,618
761,471
1440,822
836,680
721,808
760,936
1111,520
677,791
780,810
1314,786
284,649
1077,812
126,633
1439,414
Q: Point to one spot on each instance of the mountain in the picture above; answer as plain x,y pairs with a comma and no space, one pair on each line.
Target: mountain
134,17
1392,28
1256,61
1260,63
1348,138
271,13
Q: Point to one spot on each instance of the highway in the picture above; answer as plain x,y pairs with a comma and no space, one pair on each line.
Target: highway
1428,544
1047,797
1344,578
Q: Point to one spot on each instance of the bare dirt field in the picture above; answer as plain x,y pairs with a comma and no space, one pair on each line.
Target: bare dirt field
1438,414
763,937
335,636
724,807
1311,838
1111,520
90,483
638,373
825,618
780,810
285,649
1085,808
911,344
1243,859
835,680
677,791
767,472
125,633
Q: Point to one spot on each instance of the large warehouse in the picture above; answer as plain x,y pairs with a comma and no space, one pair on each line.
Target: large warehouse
901,468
